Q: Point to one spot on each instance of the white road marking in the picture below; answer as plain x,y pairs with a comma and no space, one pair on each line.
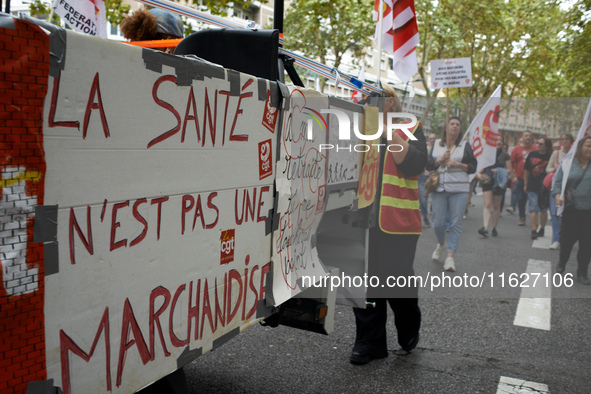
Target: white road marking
512,385
533,309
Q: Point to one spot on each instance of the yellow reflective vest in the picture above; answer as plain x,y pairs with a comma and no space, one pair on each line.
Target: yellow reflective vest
399,199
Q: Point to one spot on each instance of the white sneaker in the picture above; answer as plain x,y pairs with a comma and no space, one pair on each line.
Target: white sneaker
510,210
437,253
555,245
449,264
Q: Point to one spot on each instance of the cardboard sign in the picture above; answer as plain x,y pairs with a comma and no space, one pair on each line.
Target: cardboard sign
451,73
136,208
301,183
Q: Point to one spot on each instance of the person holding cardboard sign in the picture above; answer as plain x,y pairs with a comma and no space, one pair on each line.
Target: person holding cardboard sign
453,157
392,243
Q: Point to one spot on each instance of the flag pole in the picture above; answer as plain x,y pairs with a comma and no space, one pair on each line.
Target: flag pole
50,17
447,116
380,24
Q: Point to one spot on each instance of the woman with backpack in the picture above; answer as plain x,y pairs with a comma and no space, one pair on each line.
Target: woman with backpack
492,191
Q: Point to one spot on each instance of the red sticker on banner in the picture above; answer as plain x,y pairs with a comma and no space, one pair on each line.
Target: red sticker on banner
270,114
265,159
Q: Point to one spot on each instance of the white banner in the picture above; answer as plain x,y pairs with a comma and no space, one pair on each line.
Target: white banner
301,194
84,16
163,185
566,163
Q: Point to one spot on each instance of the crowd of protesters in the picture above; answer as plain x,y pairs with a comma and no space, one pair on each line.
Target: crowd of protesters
445,170
533,174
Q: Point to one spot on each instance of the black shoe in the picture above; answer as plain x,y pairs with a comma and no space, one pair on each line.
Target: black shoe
583,280
560,268
494,232
541,232
482,231
426,222
411,344
361,358
534,234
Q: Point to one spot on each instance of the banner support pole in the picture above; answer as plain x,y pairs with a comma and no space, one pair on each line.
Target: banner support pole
380,24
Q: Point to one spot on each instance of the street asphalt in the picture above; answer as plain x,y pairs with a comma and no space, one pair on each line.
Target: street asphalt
469,342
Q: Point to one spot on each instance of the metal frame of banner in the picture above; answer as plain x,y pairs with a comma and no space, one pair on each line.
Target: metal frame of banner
319,68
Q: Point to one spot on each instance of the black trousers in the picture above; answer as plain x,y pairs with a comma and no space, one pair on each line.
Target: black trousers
390,256
576,226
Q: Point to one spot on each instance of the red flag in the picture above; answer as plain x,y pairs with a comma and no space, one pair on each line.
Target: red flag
400,35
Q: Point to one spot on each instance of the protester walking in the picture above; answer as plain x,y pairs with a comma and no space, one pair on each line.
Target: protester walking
494,181
453,157
566,141
538,197
576,218
518,157
392,245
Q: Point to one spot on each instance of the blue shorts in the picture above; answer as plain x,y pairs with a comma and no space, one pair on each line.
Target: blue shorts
532,202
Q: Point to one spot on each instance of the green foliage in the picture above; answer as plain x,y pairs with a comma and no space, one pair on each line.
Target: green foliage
532,48
41,10
116,11
510,42
326,30
188,27
576,49
220,7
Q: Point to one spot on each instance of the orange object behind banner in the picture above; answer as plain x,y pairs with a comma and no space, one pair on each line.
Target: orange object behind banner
156,43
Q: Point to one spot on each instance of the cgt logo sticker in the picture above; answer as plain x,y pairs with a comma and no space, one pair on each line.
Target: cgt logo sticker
227,247
270,114
265,159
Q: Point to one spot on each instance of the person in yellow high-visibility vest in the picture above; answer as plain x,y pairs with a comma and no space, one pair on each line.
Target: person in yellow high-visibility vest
392,244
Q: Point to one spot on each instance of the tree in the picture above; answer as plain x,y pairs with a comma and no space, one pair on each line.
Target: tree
116,10
41,10
511,43
326,30
220,7
576,49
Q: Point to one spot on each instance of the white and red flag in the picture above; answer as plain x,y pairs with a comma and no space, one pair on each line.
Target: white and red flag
84,16
483,132
400,35
567,162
